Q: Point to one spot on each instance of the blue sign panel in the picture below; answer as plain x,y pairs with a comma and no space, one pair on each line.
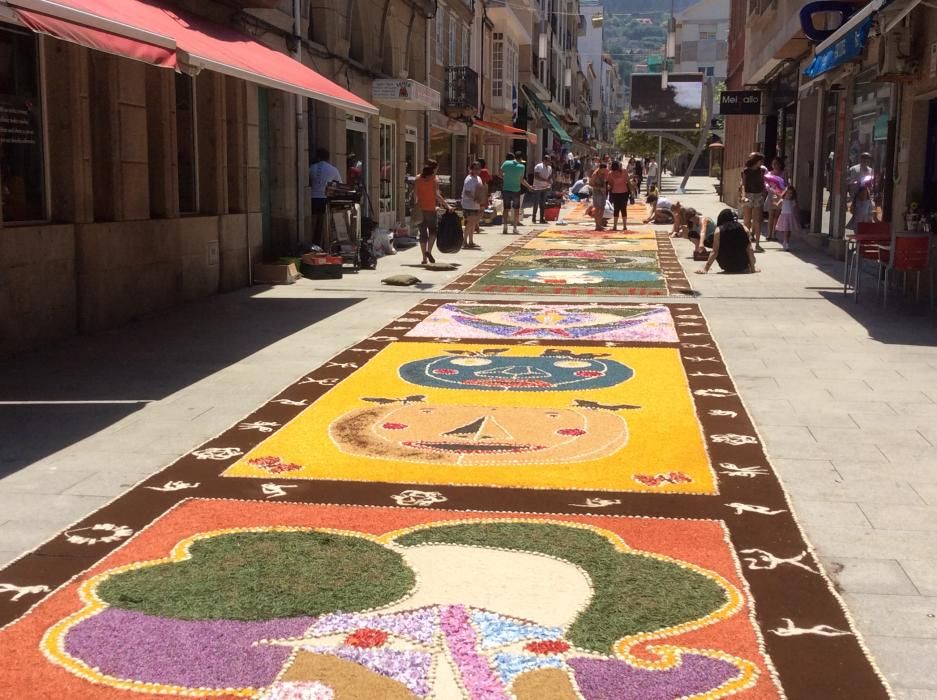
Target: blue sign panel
847,48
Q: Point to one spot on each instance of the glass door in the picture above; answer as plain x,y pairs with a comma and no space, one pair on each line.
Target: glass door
410,164
387,216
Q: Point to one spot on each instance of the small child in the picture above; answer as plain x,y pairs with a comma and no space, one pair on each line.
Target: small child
789,219
861,209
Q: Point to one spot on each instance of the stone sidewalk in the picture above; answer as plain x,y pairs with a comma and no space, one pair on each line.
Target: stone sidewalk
844,394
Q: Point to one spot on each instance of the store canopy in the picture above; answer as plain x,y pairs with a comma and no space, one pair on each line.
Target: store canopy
550,117
845,44
153,32
504,130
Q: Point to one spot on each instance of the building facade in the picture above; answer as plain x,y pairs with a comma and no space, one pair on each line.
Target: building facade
848,105
701,39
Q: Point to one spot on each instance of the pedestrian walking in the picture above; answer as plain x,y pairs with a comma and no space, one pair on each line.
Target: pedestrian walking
543,183
639,172
512,174
426,191
474,198
599,185
321,173
619,186
653,171
753,196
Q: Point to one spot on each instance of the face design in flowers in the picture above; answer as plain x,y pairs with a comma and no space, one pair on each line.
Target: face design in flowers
551,370
479,435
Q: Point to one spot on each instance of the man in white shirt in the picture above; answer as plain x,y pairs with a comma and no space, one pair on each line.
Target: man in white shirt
321,173
543,183
653,170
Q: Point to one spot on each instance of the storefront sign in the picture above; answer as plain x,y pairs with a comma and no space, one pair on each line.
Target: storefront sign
740,102
846,48
932,70
405,94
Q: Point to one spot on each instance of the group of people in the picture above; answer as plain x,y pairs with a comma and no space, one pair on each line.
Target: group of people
761,189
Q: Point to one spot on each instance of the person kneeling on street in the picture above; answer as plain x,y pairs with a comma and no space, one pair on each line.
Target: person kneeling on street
699,229
659,210
732,248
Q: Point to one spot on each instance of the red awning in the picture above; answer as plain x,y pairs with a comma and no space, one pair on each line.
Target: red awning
504,130
151,31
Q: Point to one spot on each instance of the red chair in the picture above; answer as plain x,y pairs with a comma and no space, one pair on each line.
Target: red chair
908,253
864,245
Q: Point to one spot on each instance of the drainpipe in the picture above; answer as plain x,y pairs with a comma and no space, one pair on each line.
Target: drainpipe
297,51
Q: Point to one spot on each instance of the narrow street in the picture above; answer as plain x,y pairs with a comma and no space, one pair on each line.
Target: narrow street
338,396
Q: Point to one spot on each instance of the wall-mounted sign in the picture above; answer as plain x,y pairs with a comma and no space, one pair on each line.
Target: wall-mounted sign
405,94
740,102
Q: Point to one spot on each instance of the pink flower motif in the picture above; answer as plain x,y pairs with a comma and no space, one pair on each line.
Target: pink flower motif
394,426
573,432
445,371
588,373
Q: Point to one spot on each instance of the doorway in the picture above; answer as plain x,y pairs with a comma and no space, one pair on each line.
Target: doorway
929,190
387,211
410,164
356,150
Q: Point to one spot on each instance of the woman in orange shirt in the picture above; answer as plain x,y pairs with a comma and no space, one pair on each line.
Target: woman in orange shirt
619,185
427,195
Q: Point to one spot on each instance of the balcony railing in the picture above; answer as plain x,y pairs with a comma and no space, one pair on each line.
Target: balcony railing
461,93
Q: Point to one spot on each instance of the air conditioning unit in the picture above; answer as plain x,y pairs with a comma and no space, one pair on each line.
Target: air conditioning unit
894,56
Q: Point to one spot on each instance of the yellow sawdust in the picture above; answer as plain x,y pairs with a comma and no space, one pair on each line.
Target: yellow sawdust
662,436
627,245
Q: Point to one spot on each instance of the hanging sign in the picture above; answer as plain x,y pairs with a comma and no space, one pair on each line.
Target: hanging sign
740,102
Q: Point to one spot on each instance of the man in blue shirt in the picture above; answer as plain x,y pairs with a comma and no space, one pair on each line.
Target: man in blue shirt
512,173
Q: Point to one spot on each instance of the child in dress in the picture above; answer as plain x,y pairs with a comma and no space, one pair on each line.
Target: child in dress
789,219
861,208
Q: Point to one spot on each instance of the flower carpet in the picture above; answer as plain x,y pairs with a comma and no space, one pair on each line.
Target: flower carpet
485,500
578,261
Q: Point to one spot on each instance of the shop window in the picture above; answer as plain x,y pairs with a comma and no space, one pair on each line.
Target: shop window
497,73
22,169
867,151
707,70
186,154
452,57
388,154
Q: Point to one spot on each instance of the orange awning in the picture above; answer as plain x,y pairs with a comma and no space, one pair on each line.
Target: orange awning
504,130
154,32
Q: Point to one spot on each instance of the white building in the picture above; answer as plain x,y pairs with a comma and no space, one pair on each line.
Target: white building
702,33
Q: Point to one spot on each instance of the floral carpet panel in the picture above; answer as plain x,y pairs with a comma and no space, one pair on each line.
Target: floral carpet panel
578,261
486,500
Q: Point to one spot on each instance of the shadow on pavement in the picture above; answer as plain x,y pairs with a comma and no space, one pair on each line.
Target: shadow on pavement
53,397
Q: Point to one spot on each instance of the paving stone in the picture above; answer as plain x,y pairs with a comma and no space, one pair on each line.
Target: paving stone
907,661
928,491
22,535
18,507
895,615
903,693
107,484
835,541
880,576
870,436
838,515
922,572
901,517
47,479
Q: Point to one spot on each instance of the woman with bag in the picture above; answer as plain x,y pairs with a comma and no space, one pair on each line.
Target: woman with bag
599,184
426,192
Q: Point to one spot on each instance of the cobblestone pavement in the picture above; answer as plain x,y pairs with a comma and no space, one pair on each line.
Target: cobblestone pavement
844,394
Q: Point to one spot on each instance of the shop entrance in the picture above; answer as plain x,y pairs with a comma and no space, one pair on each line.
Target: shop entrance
387,216
929,193
356,150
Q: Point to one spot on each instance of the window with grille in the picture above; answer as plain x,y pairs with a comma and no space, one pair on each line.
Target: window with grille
466,44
